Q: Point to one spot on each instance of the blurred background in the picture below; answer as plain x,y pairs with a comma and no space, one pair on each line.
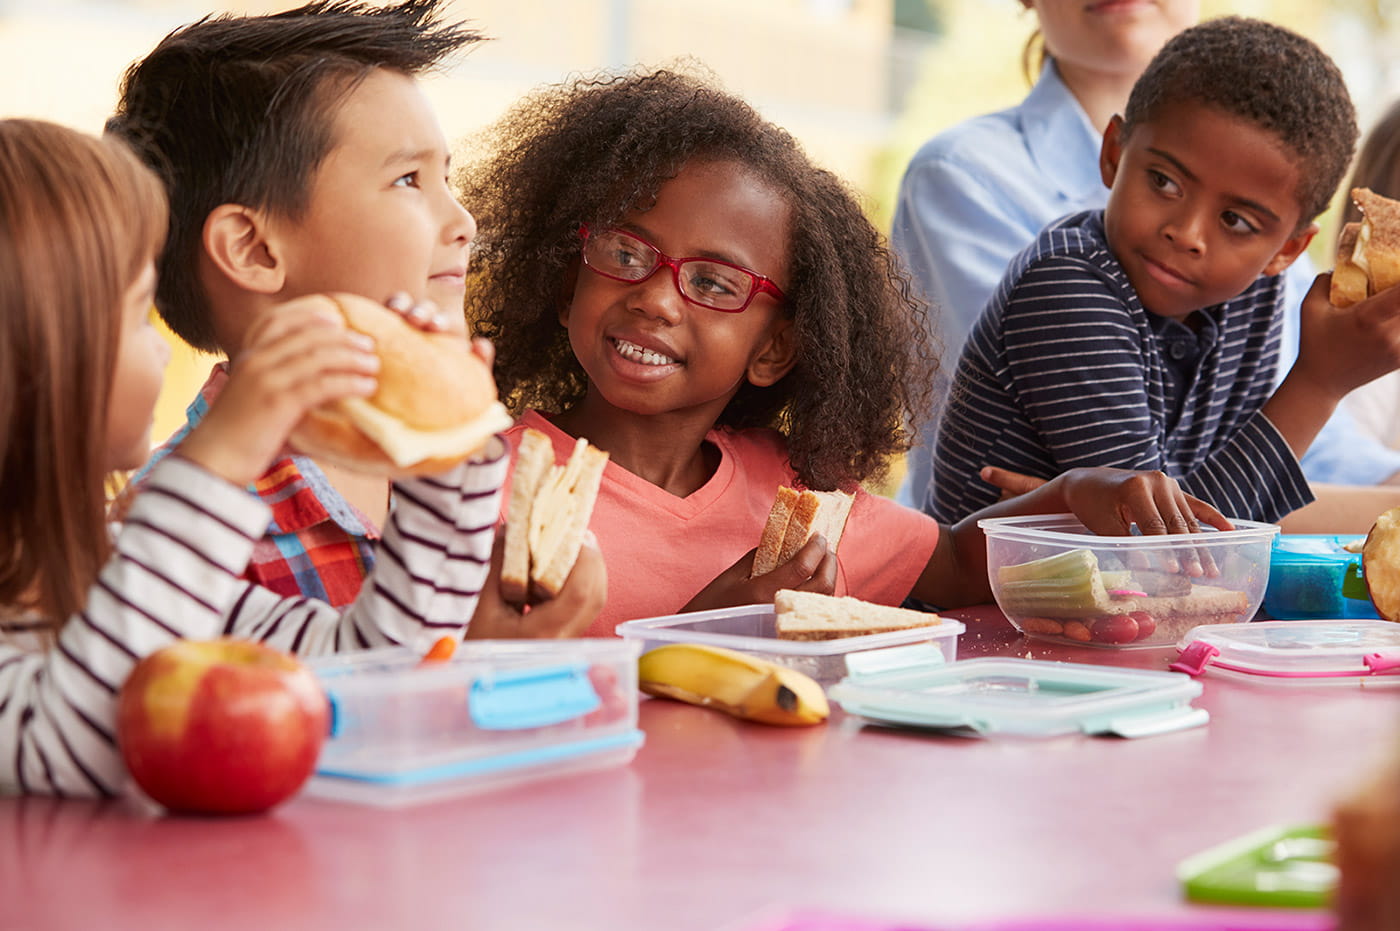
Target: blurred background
860,82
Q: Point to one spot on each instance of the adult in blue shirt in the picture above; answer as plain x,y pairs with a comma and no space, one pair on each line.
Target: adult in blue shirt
978,193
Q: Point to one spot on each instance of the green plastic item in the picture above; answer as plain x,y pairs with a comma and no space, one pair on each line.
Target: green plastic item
1288,866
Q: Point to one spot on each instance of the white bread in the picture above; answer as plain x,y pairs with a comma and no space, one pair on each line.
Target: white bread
532,464
435,404
1370,251
794,518
812,616
547,515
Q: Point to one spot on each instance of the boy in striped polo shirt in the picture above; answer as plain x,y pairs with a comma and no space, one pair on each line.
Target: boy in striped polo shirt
1146,335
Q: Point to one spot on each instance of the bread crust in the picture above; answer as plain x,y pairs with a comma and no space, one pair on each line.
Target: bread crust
532,464
770,544
794,518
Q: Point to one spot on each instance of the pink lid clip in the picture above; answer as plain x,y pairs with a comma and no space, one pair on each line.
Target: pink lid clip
1195,658
1381,662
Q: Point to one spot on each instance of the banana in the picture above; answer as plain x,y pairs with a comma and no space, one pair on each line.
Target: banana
733,682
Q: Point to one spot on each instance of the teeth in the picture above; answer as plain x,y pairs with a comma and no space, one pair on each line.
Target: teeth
638,354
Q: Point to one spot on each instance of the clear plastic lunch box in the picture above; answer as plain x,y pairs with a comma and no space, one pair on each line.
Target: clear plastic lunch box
497,713
753,629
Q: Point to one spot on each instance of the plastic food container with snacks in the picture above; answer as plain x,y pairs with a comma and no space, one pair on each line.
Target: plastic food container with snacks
1055,580
1317,576
1016,697
1355,653
753,629
496,714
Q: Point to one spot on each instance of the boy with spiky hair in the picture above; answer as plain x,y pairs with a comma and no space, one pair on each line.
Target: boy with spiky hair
1145,335
301,156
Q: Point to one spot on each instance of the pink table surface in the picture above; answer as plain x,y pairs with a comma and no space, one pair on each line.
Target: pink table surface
718,823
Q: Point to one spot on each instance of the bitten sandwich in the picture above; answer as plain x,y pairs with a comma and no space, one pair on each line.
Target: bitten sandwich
1368,253
794,518
435,405
813,616
547,515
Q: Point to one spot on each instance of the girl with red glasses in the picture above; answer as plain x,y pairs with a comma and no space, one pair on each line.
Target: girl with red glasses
669,276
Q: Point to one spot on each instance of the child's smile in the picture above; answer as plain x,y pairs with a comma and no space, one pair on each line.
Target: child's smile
646,348
644,356
1203,203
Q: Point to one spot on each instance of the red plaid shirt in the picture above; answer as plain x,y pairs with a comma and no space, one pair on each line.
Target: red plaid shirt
318,545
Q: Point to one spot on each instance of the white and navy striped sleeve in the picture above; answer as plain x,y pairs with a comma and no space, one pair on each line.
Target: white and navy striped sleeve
174,574
429,568
174,571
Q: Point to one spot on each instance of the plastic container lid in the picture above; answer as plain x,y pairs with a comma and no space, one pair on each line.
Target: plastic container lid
906,685
1278,866
1326,652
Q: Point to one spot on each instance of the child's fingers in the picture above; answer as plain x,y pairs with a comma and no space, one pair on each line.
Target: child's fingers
1206,513
313,310
298,363
485,350
579,602
426,315
1011,483
812,568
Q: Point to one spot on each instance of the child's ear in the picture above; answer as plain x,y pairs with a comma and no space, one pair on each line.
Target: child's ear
1111,151
776,357
237,241
1290,250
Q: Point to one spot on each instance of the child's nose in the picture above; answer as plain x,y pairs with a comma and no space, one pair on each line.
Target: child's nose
659,296
460,225
1186,231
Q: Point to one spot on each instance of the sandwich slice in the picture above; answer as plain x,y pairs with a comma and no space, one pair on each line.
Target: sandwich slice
794,518
812,616
547,515
1368,253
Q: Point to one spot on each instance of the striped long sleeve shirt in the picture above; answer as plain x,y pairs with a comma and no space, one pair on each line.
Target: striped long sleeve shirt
1065,369
174,574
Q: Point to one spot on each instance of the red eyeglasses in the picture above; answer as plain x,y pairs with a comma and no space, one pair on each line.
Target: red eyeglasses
710,283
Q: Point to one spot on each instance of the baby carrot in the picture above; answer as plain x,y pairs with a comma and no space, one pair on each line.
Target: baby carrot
441,650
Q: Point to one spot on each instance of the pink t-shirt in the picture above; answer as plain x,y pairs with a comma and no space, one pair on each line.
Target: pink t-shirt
660,550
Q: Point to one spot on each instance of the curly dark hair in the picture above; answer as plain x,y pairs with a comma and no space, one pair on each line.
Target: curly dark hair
595,149
1267,75
239,110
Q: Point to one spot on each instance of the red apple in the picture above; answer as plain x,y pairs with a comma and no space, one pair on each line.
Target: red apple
221,726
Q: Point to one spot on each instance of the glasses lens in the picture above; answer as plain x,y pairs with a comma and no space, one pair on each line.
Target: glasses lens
715,284
615,253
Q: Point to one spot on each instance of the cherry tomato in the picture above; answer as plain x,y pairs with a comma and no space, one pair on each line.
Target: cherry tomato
1146,623
1116,628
